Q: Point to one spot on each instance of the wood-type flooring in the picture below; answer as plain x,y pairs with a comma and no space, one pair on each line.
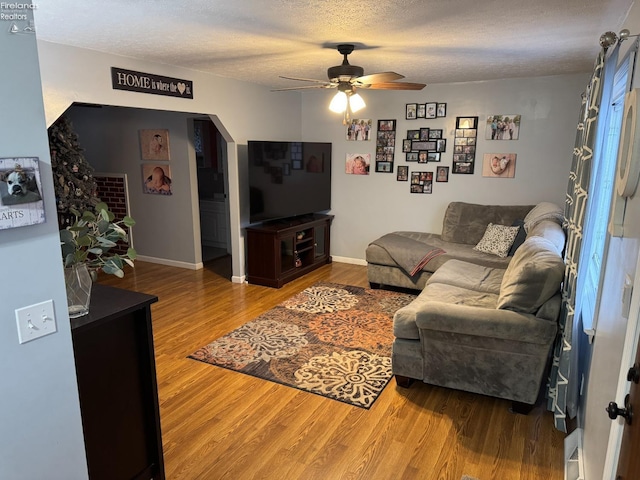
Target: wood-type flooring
220,424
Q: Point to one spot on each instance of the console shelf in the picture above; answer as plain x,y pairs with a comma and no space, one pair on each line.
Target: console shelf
281,251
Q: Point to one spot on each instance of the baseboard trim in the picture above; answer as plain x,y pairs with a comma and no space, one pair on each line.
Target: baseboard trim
573,456
241,279
170,263
353,261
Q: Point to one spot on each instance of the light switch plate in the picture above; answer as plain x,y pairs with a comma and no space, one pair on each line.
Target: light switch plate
35,321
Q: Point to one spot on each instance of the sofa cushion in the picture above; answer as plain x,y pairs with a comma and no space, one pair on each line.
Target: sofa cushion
497,240
533,276
404,320
550,230
543,211
469,275
467,222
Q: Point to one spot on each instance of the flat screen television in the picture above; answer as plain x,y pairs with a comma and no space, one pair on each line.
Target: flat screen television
288,179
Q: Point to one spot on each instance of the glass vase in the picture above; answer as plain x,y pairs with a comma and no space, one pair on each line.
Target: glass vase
78,282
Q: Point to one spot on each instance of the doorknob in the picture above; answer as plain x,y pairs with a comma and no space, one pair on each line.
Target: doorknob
633,375
614,411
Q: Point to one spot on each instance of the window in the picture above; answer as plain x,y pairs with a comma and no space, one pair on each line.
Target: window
601,191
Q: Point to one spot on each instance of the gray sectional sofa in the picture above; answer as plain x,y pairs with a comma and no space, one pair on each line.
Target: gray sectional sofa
481,323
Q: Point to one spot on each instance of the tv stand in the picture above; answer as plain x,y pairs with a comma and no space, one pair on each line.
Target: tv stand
283,250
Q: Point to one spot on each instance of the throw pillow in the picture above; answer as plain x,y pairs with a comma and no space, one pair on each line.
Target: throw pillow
520,237
497,239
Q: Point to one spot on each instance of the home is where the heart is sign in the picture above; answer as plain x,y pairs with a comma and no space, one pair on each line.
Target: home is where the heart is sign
132,81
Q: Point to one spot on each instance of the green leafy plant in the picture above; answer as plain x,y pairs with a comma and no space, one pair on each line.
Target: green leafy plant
91,237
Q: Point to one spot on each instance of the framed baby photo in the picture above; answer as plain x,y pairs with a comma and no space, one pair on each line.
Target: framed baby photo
156,179
442,174
357,163
467,122
411,111
403,173
154,144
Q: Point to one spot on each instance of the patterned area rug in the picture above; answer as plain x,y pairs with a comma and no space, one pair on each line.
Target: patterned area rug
332,340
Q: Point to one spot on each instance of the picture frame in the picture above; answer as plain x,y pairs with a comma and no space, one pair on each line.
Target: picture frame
403,173
413,134
424,134
441,145
406,145
465,168
441,110
423,156
435,133
156,179
387,125
442,174
431,110
384,167
357,163
421,182
411,111
503,127
499,165
466,122
412,157
26,208
359,129
154,144
417,145
433,156
421,111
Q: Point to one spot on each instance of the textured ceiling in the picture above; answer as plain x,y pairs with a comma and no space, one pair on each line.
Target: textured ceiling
428,41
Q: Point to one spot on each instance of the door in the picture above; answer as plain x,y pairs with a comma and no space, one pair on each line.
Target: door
629,460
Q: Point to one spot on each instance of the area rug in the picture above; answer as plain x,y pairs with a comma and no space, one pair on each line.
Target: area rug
330,339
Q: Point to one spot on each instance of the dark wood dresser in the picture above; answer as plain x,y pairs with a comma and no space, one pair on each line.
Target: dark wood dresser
115,366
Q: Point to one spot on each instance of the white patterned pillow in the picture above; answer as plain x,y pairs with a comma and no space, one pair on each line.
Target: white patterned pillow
497,239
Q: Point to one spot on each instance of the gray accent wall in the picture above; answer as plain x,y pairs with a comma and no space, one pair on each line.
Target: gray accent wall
40,426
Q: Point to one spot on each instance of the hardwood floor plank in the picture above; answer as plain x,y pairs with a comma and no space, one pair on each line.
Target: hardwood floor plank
220,424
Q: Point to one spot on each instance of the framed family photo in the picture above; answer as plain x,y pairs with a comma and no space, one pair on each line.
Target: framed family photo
503,127
403,173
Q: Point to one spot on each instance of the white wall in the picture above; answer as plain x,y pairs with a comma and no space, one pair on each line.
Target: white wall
369,206
40,426
243,111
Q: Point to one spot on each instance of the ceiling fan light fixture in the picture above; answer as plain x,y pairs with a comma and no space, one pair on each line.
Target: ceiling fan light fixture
339,102
356,102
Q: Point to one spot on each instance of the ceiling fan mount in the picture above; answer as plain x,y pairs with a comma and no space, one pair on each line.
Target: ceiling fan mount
345,72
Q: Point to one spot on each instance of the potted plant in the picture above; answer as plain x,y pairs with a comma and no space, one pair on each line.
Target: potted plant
87,248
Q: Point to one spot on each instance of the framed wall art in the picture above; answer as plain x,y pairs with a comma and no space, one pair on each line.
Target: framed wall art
441,110
411,111
21,202
503,127
421,182
154,144
421,111
464,150
385,146
357,163
156,179
432,110
499,165
442,174
403,173
359,129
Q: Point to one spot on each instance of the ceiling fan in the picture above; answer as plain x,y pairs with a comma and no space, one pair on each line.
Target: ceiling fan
347,78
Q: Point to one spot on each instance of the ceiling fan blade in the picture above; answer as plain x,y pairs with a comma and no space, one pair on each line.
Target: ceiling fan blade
395,86
304,79
382,77
301,88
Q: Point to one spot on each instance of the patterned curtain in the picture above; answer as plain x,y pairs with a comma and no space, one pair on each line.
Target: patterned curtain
562,382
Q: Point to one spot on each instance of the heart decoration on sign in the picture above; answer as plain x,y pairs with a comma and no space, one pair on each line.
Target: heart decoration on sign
181,87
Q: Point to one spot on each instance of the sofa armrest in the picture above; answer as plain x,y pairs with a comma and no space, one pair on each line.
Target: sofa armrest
484,322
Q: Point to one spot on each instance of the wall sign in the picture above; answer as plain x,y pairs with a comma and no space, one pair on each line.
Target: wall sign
21,201
133,81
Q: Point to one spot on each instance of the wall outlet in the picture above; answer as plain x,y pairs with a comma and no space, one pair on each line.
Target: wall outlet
35,321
